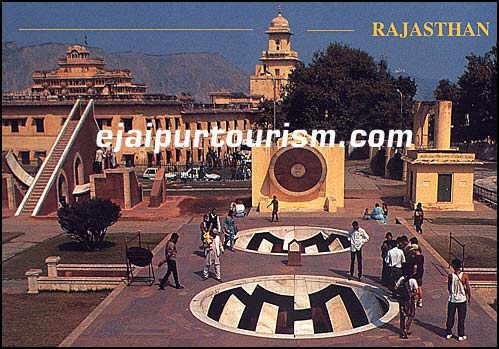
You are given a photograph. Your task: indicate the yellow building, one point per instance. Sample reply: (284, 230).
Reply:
(440, 177)
(304, 179)
(277, 62)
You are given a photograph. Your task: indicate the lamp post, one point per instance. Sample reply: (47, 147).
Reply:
(273, 81)
(401, 115)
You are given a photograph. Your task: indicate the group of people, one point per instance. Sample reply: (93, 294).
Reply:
(402, 273)
(378, 213)
(215, 237)
(104, 158)
(402, 267)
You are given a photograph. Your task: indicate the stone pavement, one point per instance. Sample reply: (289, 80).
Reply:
(144, 316)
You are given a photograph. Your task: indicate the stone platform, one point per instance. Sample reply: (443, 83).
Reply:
(144, 316)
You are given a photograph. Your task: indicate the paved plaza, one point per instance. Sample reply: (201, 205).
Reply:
(140, 315)
(143, 315)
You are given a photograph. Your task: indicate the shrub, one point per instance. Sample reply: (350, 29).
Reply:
(87, 221)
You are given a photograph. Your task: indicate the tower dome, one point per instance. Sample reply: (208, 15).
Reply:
(279, 21)
(279, 24)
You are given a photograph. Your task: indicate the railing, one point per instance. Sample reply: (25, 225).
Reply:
(451, 253)
(485, 195)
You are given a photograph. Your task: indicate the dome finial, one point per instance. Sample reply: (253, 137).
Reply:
(279, 10)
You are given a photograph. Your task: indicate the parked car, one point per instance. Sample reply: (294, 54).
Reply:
(170, 176)
(197, 174)
(150, 173)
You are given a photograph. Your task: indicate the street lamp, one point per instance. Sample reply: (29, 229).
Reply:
(273, 81)
(401, 115)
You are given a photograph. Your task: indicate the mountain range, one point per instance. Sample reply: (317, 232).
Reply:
(172, 74)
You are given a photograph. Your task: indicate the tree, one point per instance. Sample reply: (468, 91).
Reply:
(345, 89)
(474, 98)
(88, 221)
(478, 86)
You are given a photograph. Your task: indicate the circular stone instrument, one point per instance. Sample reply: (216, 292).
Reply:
(297, 171)
(294, 306)
(275, 240)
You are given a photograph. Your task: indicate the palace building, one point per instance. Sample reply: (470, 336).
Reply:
(32, 121)
(78, 75)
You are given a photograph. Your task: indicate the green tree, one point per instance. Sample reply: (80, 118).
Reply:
(474, 98)
(345, 89)
(88, 221)
(478, 98)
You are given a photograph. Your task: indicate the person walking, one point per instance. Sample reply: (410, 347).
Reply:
(406, 287)
(171, 260)
(230, 229)
(459, 295)
(358, 237)
(212, 255)
(418, 218)
(384, 251)
(275, 208)
(394, 259)
(418, 271)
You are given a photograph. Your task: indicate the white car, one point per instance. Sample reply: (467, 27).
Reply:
(194, 173)
(170, 176)
(150, 173)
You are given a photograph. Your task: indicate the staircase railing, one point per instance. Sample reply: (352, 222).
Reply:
(63, 156)
(44, 164)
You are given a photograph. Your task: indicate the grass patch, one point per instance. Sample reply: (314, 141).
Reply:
(8, 235)
(462, 221)
(44, 319)
(70, 252)
(479, 251)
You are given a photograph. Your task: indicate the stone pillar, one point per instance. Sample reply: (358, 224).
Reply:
(443, 125)
(32, 275)
(51, 263)
(126, 190)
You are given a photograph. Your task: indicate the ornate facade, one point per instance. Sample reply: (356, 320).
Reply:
(78, 75)
(277, 62)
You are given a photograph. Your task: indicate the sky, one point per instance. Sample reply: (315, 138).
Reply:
(425, 57)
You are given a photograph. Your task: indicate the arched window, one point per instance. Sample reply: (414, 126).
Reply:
(62, 189)
(78, 170)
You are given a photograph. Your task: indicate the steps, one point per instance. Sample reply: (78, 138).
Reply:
(51, 163)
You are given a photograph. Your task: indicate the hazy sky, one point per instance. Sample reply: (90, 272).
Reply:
(430, 57)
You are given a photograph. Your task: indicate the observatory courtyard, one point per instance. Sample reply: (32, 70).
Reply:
(287, 277)
(265, 300)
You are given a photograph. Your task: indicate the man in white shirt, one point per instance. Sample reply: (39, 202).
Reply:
(395, 259)
(358, 237)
